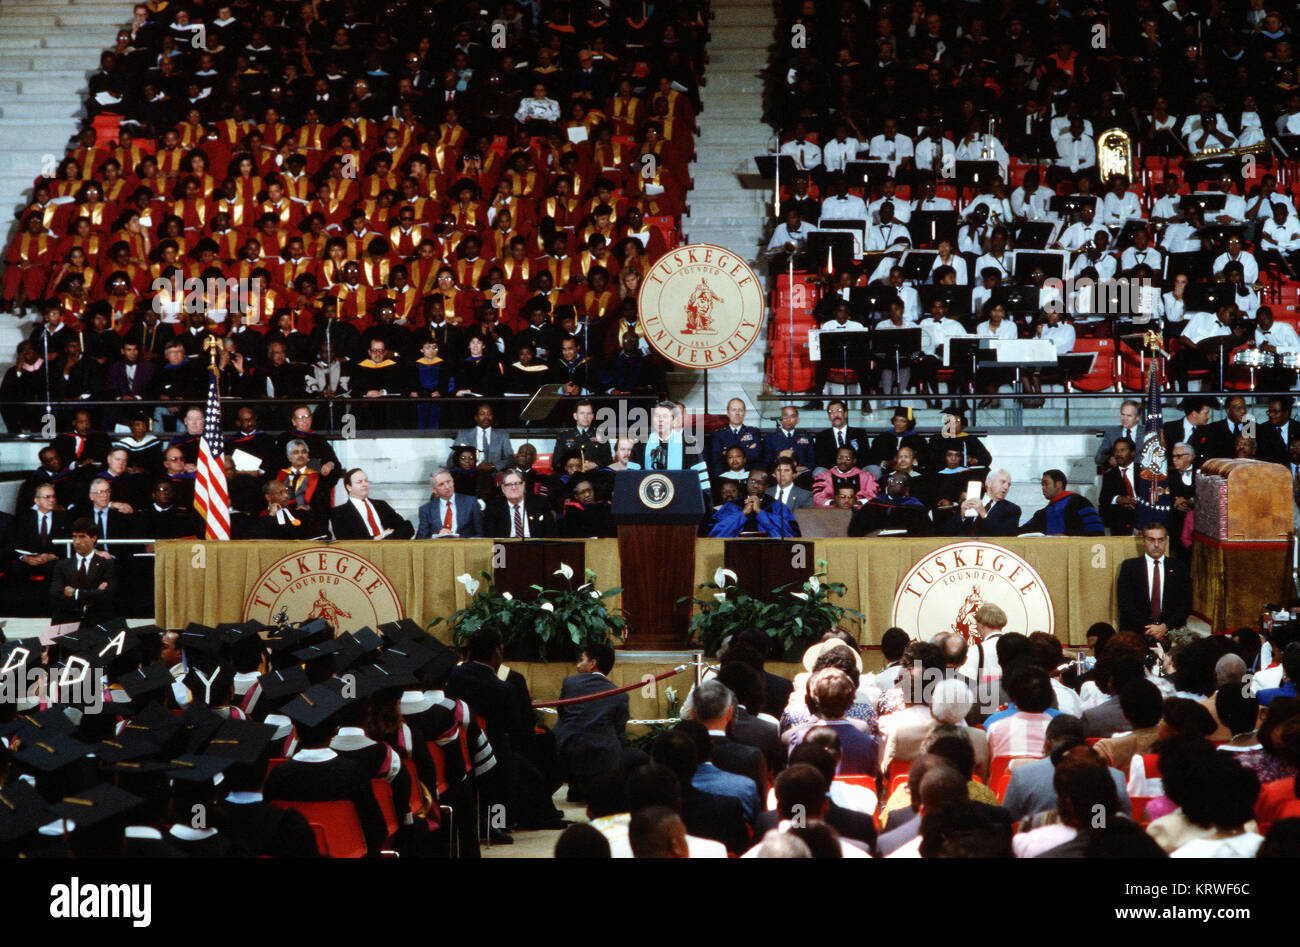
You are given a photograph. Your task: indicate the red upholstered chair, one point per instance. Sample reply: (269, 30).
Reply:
(1004, 764)
(868, 781)
(543, 464)
(339, 834)
(383, 791)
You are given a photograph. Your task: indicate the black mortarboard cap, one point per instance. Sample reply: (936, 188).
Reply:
(278, 685)
(96, 805)
(146, 682)
(402, 630)
(316, 705)
(241, 741)
(52, 752)
(22, 811)
(194, 768)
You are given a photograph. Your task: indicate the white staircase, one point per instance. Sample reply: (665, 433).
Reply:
(47, 50)
(722, 211)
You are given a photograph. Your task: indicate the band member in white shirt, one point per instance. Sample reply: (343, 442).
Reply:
(806, 154)
(1280, 239)
(891, 147)
(888, 194)
(1032, 201)
(1120, 204)
(1080, 234)
(841, 205)
(1236, 254)
(1141, 253)
(841, 149)
(998, 256)
(1075, 151)
(946, 257)
(935, 153)
(928, 201)
(978, 145)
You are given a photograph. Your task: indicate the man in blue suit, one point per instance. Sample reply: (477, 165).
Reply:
(449, 513)
(736, 434)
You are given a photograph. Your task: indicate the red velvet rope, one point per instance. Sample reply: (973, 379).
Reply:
(568, 701)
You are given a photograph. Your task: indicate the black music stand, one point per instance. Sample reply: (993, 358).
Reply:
(1189, 262)
(1069, 206)
(1033, 234)
(1208, 297)
(975, 174)
(893, 342)
(847, 349)
(957, 298)
(1018, 299)
(867, 173)
(928, 227)
(767, 167)
(865, 301)
(1207, 201)
(838, 244)
(917, 264)
(964, 352)
(1052, 262)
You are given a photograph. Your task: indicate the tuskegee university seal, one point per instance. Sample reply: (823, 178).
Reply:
(701, 306)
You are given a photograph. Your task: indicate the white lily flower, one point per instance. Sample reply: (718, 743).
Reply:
(564, 570)
(670, 694)
(813, 583)
(471, 584)
(720, 577)
(547, 607)
(720, 596)
(801, 595)
(594, 594)
(507, 596)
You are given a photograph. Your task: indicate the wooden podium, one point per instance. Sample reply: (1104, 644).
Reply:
(658, 514)
(763, 565)
(530, 562)
(1239, 547)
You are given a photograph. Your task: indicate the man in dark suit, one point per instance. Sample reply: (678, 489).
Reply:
(491, 444)
(1154, 591)
(516, 515)
(360, 517)
(110, 522)
(1273, 438)
(449, 513)
(1193, 427)
(590, 736)
(82, 445)
(83, 586)
(714, 705)
(128, 379)
(707, 814)
(1129, 413)
(35, 530)
(995, 515)
(795, 498)
(1182, 495)
(1221, 436)
(1119, 486)
(838, 435)
(736, 434)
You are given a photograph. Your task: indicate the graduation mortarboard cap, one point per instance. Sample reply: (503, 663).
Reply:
(127, 746)
(241, 640)
(96, 805)
(156, 723)
(316, 705)
(194, 768)
(956, 411)
(18, 656)
(381, 677)
(146, 682)
(404, 629)
(210, 686)
(201, 644)
(279, 685)
(42, 725)
(319, 659)
(200, 724)
(318, 629)
(22, 811)
(284, 639)
(52, 752)
(357, 646)
(240, 741)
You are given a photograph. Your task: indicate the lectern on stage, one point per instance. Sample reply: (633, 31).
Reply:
(529, 562)
(762, 565)
(658, 514)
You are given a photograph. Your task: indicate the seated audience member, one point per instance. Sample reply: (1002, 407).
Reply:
(993, 515)
(950, 701)
(831, 693)
(801, 793)
(855, 824)
(655, 786)
(517, 515)
(1086, 803)
(584, 515)
(360, 517)
(1020, 729)
(844, 793)
(449, 513)
(590, 737)
(1141, 704)
(1066, 514)
(657, 832)
(1270, 761)
(834, 650)
(1032, 789)
(1215, 796)
(714, 705)
(741, 671)
(281, 519)
(707, 813)
(845, 473)
(895, 510)
(936, 785)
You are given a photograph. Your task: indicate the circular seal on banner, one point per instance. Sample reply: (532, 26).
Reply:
(701, 306)
(656, 492)
(945, 588)
(345, 589)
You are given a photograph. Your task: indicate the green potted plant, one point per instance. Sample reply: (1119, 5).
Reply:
(555, 624)
(723, 612)
(799, 618)
(568, 618)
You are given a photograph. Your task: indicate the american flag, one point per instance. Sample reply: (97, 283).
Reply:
(211, 497)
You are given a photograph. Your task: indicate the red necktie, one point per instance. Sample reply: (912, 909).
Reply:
(1128, 484)
(1155, 593)
(81, 573)
(519, 522)
(45, 530)
(446, 519)
(81, 445)
(370, 517)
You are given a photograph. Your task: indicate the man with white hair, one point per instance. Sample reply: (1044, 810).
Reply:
(713, 704)
(994, 515)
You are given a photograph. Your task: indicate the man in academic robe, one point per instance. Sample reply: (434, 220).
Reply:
(1066, 514)
(896, 509)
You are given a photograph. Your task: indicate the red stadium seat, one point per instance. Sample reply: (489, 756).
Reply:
(383, 791)
(868, 781)
(1102, 377)
(543, 464)
(340, 827)
(1004, 764)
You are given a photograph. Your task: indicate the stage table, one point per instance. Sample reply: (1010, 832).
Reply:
(210, 582)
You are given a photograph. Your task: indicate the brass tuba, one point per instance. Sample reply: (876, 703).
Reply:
(1114, 154)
